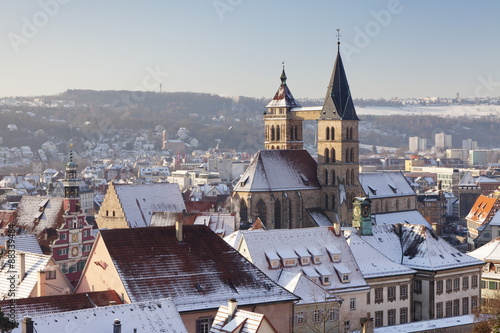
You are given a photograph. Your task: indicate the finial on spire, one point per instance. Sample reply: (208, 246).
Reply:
(283, 75)
(338, 38)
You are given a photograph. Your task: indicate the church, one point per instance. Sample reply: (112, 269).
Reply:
(284, 186)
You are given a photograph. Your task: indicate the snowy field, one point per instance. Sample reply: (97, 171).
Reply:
(442, 111)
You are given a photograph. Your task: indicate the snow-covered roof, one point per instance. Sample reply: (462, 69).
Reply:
(485, 180)
(148, 316)
(24, 286)
(409, 216)
(319, 216)
(489, 252)
(385, 184)
(258, 242)
(241, 321)
(376, 264)
(301, 285)
(140, 201)
(26, 243)
(434, 325)
(417, 247)
(221, 223)
(467, 180)
(279, 170)
(200, 273)
(35, 214)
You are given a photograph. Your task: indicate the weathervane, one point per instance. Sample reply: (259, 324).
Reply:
(338, 38)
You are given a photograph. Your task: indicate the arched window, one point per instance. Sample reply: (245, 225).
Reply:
(397, 205)
(333, 155)
(277, 214)
(262, 211)
(243, 211)
(332, 134)
(326, 201)
(347, 177)
(278, 133)
(334, 178)
(328, 133)
(408, 203)
(352, 155)
(292, 133)
(272, 133)
(347, 155)
(327, 155)
(272, 147)
(333, 202)
(297, 133)
(352, 177)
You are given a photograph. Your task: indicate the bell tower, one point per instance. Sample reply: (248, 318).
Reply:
(282, 129)
(338, 146)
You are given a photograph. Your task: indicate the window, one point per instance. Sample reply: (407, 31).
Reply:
(81, 265)
(439, 287)
(379, 318)
(304, 261)
(448, 308)
(473, 303)
(345, 278)
(465, 283)
(439, 310)
(62, 236)
(325, 279)
(474, 281)
(50, 275)
(87, 248)
(289, 262)
(403, 291)
(368, 296)
(418, 286)
(465, 306)
(316, 316)
(347, 326)
(403, 315)
(299, 318)
(391, 294)
(62, 252)
(333, 314)
(483, 284)
(379, 295)
(456, 307)
(317, 259)
(456, 284)
(73, 268)
(391, 317)
(203, 324)
(493, 285)
(336, 258)
(86, 233)
(274, 263)
(352, 303)
(448, 285)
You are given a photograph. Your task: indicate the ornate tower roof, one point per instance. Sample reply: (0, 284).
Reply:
(283, 97)
(338, 101)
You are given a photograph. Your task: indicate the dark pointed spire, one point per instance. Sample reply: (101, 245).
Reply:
(283, 97)
(338, 101)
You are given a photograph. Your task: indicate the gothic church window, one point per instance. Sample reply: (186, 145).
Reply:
(277, 214)
(262, 211)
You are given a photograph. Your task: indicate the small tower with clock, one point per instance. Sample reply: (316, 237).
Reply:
(362, 217)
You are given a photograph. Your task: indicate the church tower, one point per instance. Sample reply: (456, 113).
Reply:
(282, 129)
(338, 147)
(71, 187)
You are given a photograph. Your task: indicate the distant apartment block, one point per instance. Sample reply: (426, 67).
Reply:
(417, 144)
(462, 154)
(478, 157)
(442, 140)
(469, 144)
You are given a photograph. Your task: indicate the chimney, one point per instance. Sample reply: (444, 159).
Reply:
(22, 265)
(178, 231)
(117, 326)
(232, 305)
(41, 284)
(336, 228)
(27, 325)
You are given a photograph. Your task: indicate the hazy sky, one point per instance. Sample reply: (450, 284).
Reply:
(235, 47)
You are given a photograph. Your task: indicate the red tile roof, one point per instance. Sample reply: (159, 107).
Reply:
(482, 210)
(202, 272)
(36, 306)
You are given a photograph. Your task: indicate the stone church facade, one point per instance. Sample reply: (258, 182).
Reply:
(290, 189)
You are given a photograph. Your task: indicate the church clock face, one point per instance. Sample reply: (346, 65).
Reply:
(366, 211)
(74, 238)
(74, 251)
(356, 211)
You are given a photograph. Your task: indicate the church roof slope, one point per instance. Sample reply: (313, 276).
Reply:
(385, 184)
(279, 170)
(408, 216)
(140, 201)
(201, 272)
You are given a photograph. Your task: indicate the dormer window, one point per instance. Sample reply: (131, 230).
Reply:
(345, 278)
(273, 259)
(333, 252)
(304, 261)
(311, 273)
(288, 257)
(304, 256)
(315, 255)
(324, 275)
(343, 272)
